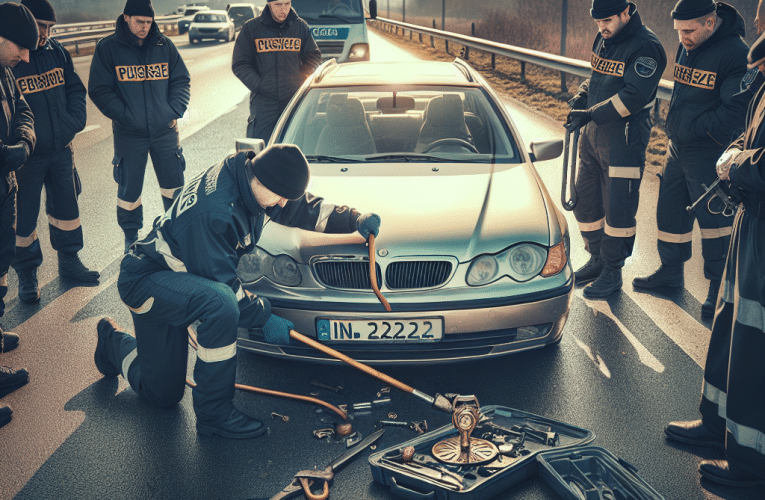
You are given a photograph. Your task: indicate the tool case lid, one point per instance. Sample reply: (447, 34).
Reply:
(591, 473)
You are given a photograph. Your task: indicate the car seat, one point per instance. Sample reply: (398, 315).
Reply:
(444, 118)
(346, 131)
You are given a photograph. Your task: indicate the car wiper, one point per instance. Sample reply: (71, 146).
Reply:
(330, 159)
(403, 157)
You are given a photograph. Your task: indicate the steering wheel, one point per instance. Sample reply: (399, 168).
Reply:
(450, 141)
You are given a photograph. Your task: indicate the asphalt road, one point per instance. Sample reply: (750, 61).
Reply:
(624, 368)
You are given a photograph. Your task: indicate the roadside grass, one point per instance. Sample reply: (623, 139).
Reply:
(540, 89)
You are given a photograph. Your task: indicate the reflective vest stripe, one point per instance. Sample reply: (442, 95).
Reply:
(163, 249)
(64, 225)
(592, 226)
(751, 313)
(747, 436)
(621, 232)
(128, 361)
(718, 232)
(324, 212)
(25, 241)
(128, 205)
(624, 172)
(716, 396)
(169, 193)
(619, 105)
(217, 354)
(675, 238)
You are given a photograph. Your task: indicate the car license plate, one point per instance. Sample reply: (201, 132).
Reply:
(392, 330)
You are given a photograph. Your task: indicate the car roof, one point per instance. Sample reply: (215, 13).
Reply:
(219, 12)
(396, 73)
(241, 5)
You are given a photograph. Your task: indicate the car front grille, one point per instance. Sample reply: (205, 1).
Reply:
(327, 48)
(410, 274)
(208, 31)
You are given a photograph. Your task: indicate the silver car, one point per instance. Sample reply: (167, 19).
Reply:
(472, 254)
(212, 24)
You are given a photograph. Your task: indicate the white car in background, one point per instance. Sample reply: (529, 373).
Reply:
(212, 24)
(188, 17)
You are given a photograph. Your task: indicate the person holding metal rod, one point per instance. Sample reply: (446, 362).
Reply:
(614, 107)
(184, 272)
(711, 92)
(732, 392)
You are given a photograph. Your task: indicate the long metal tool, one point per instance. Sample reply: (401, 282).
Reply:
(570, 155)
(304, 479)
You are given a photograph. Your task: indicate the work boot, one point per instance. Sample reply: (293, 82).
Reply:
(722, 472)
(609, 281)
(670, 276)
(70, 266)
(106, 326)
(29, 292)
(11, 379)
(708, 307)
(590, 271)
(693, 432)
(5, 415)
(8, 340)
(236, 426)
(131, 236)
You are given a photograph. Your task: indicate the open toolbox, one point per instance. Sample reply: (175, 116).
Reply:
(425, 477)
(593, 473)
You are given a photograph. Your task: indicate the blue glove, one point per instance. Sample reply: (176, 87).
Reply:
(577, 118)
(277, 330)
(368, 224)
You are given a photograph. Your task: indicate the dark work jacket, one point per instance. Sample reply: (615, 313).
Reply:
(215, 220)
(17, 123)
(141, 88)
(712, 87)
(272, 59)
(749, 174)
(626, 70)
(55, 92)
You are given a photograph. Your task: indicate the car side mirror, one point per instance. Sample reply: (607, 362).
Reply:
(546, 150)
(373, 9)
(248, 144)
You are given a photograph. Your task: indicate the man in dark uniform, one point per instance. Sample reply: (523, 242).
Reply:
(733, 391)
(18, 36)
(709, 100)
(184, 272)
(139, 81)
(56, 96)
(273, 55)
(614, 106)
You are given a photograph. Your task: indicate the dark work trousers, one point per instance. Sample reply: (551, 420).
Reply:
(612, 158)
(733, 393)
(163, 304)
(264, 113)
(686, 169)
(130, 157)
(62, 187)
(7, 231)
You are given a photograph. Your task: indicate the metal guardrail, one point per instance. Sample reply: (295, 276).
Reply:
(90, 32)
(552, 61)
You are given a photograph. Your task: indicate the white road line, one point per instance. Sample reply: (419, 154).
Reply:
(89, 128)
(595, 358)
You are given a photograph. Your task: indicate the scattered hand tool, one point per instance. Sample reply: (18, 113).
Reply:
(304, 479)
(447, 478)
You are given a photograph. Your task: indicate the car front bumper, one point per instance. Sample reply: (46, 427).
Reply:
(470, 332)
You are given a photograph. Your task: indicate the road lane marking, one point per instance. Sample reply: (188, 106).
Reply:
(595, 358)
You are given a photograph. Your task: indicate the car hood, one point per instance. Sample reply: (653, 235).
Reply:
(458, 210)
(218, 25)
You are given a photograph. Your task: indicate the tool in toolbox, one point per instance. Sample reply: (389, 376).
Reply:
(465, 449)
(305, 479)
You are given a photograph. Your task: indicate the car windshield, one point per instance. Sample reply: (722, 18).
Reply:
(408, 125)
(244, 12)
(191, 12)
(329, 11)
(209, 18)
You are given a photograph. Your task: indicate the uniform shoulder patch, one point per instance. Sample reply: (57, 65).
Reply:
(748, 79)
(646, 66)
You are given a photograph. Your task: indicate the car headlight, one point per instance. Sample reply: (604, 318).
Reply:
(258, 264)
(359, 52)
(521, 262)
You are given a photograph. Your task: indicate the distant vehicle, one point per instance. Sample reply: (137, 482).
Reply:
(188, 17)
(473, 253)
(212, 24)
(240, 13)
(338, 26)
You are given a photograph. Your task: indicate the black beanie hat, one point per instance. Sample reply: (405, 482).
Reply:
(693, 9)
(41, 9)
(18, 25)
(757, 52)
(602, 9)
(139, 8)
(283, 169)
